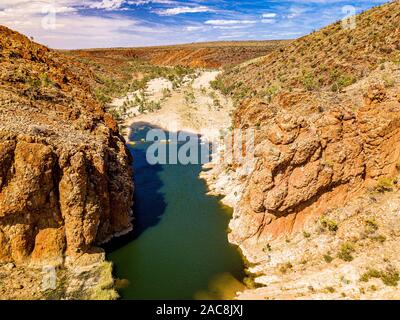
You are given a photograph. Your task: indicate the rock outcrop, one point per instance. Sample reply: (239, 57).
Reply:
(327, 131)
(65, 175)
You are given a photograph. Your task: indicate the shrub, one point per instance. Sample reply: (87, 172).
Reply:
(389, 81)
(328, 258)
(330, 289)
(380, 238)
(190, 97)
(371, 226)
(267, 248)
(384, 185)
(309, 82)
(285, 267)
(329, 224)
(306, 234)
(270, 92)
(371, 273)
(390, 277)
(346, 251)
(340, 80)
(45, 80)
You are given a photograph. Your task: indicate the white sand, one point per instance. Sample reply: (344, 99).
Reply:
(201, 117)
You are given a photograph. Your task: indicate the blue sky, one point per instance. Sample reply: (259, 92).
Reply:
(123, 23)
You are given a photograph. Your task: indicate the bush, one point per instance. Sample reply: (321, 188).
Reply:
(384, 185)
(329, 224)
(330, 289)
(390, 277)
(389, 81)
(284, 268)
(340, 80)
(270, 92)
(190, 98)
(371, 226)
(346, 251)
(309, 82)
(306, 234)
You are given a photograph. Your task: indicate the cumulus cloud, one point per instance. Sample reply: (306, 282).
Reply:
(181, 10)
(107, 4)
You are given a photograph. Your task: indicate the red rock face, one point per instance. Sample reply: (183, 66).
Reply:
(309, 160)
(65, 175)
(326, 110)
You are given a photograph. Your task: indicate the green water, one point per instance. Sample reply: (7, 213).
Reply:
(179, 249)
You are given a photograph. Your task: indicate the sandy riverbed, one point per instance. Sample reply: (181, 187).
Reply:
(207, 114)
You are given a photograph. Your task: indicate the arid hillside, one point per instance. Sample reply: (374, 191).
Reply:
(65, 177)
(326, 112)
(328, 60)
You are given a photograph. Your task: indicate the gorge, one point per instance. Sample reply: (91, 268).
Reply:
(315, 214)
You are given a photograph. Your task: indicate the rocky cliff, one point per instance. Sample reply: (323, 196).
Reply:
(326, 112)
(65, 176)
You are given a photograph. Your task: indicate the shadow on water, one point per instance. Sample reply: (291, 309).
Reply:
(179, 247)
(149, 202)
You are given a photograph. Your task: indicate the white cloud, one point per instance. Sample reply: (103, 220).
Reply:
(20, 10)
(268, 21)
(193, 28)
(107, 4)
(181, 10)
(229, 27)
(142, 2)
(269, 15)
(295, 12)
(229, 22)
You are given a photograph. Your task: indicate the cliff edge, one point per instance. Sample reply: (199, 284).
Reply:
(65, 174)
(326, 114)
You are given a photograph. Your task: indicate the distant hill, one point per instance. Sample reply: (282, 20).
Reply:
(195, 55)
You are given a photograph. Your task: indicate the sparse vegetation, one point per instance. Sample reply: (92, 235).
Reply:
(390, 277)
(388, 81)
(340, 80)
(190, 98)
(306, 234)
(285, 267)
(329, 224)
(346, 251)
(309, 82)
(271, 91)
(371, 226)
(166, 93)
(115, 78)
(328, 258)
(384, 185)
(330, 289)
